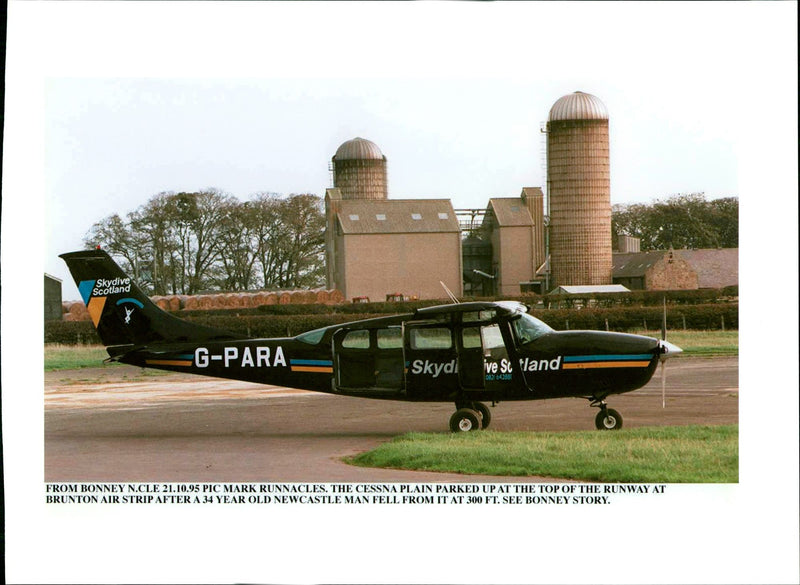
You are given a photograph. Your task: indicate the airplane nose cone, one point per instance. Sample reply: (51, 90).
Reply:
(669, 349)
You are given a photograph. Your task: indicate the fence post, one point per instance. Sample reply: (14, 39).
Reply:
(606, 324)
(723, 321)
(567, 321)
(684, 322)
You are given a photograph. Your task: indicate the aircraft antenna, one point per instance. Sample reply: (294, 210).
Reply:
(449, 293)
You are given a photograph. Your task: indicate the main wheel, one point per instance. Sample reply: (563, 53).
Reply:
(483, 410)
(465, 420)
(608, 420)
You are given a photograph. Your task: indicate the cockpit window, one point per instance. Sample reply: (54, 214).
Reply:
(312, 337)
(527, 328)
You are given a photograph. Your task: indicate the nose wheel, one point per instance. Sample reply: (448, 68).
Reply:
(607, 419)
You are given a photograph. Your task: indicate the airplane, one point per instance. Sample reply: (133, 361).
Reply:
(467, 353)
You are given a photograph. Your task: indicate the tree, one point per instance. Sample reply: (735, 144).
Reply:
(680, 221)
(184, 243)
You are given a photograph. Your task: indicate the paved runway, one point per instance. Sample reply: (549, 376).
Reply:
(115, 424)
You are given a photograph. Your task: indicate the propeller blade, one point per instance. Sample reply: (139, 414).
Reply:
(663, 384)
(664, 321)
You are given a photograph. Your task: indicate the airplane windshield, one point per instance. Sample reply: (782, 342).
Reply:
(528, 328)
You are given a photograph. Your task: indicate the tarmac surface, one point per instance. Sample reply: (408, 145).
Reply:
(121, 423)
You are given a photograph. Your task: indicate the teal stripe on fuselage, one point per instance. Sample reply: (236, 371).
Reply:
(311, 362)
(607, 358)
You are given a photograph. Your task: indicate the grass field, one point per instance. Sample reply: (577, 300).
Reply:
(700, 343)
(72, 357)
(690, 454)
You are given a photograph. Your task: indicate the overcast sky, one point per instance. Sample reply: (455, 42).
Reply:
(110, 103)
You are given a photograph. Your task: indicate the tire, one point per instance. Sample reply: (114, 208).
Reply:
(608, 420)
(486, 415)
(465, 420)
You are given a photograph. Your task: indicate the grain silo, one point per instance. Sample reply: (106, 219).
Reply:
(579, 191)
(359, 170)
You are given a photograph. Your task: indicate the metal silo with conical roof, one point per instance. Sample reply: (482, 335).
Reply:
(579, 191)
(359, 170)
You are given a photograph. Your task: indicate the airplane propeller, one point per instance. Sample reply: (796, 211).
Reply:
(667, 350)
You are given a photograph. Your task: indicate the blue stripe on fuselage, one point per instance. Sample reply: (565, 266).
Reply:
(606, 358)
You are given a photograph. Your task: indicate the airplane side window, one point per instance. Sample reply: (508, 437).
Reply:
(358, 339)
(492, 338)
(473, 316)
(471, 338)
(433, 338)
(390, 338)
(312, 337)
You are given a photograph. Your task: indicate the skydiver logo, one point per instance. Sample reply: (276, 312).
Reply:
(104, 287)
(128, 313)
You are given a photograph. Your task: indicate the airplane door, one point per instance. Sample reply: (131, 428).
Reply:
(470, 359)
(497, 366)
(431, 361)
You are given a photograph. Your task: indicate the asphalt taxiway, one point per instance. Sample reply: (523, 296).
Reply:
(118, 424)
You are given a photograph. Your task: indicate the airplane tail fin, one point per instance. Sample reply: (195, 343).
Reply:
(121, 312)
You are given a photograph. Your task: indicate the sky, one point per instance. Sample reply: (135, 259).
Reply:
(110, 103)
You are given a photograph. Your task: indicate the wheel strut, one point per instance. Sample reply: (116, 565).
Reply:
(607, 419)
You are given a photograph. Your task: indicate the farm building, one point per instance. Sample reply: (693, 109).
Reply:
(515, 228)
(376, 248)
(52, 298)
(677, 269)
(657, 270)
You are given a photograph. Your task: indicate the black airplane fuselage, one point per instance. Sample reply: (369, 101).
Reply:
(433, 355)
(464, 353)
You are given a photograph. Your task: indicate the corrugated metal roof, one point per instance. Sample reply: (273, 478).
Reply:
(715, 267)
(358, 148)
(397, 216)
(578, 106)
(510, 211)
(588, 289)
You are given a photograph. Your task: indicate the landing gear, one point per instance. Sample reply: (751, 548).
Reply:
(483, 410)
(607, 419)
(465, 420)
(470, 416)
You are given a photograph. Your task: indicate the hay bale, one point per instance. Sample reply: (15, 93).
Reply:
(174, 303)
(285, 298)
(208, 302)
(78, 309)
(335, 296)
(322, 297)
(191, 303)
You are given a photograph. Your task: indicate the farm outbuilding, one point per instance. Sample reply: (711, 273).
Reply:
(656, 270)
(515, 228)
(53, 310)
(376, 248)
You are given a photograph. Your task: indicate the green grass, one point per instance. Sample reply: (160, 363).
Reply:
(701, 343)
(58, 356)
(689, 454)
